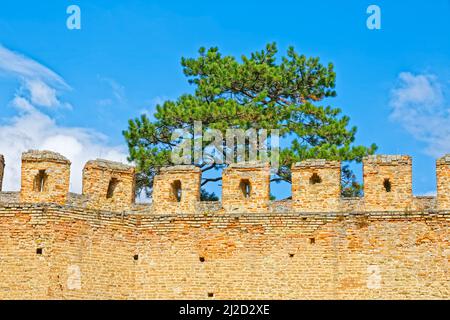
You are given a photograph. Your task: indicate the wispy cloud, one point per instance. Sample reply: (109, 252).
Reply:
(39, 83)
(18, 64)
(420, 104)
(117, 93)
(31, 128)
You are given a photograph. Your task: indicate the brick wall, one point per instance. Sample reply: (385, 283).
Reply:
(59, 245)
(176, 190)
(92, 254)
(45, 177)
(443, 182)
(109, 185)
(387, 183)
(316, 186)
(246, 187)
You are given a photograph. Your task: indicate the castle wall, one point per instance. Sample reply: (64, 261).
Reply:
(443, 183)
(88, 254)
(316, 186)
(100, 245)
(45, 177)
(176, 189)
(387, 183)
(109, 185)
(246, 187)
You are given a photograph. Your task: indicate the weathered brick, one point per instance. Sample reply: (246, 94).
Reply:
(45, 177)
(108, 185)
(386, 245)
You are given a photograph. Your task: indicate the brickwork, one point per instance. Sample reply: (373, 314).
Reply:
(387, 183)
(246, 187)
(316, 186)
(443, 182)
(100, 245)
(177, 189)
(109, 185)
(45, 177)
(90, 255)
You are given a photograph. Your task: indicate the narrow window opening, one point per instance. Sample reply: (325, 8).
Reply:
(315, 178)
(40, 181)
(112, 187)
(246, 188)
(291, 255)
(176, 190)
(39, 251)
(202, 259)
(387, 185)
(136, 257)
(312, 240)
(210, 294)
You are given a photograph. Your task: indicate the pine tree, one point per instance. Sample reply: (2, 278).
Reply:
(255, 92)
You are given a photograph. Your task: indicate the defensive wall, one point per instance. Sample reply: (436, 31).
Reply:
(101, 245)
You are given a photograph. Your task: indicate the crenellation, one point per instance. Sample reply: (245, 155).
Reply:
(443, 182)
(246, 187)
(316, 186)
(109, 185)
(176, 189)
(44, 155)
(385, 159)
(317, 163)
(45, 177)
(388, 183)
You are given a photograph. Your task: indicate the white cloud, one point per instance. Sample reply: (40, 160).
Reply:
(39, 84)
(41, 94)
(419, 104)
(22, 104)
(19, 65)
(31, 128)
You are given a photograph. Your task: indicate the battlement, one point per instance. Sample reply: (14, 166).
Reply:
(108, 185)
(388, 183)
(246, 187)
(316, 163)
(45, 155)
(316, 186)
(443, 160)
(382, 159)
(443, 182)
(176, 189)
(45, 177)
(101, 245)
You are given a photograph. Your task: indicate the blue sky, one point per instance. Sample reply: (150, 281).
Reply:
(393, 83)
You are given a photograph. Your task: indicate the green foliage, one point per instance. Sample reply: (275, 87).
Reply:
(350, 187)
(256, 92)
(208, 196)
